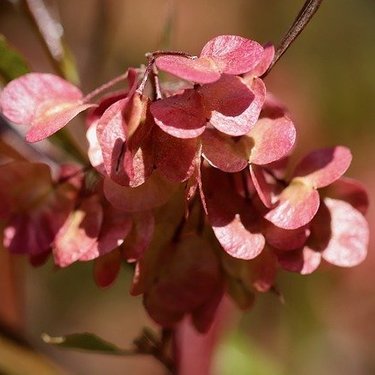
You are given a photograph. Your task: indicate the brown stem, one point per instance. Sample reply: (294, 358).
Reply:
(105, 87)
(156, 83)
(303, 18)
(149, 68)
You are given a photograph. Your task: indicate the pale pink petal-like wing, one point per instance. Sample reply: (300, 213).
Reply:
(115, 228)
(351, 191)
(95, 152)
(200, 70)
(233, 219)
(350, 235)
(322, 167)
(304, 261)
(174, 157)
(234, 54)
(297, 205)
(234, 105)
(112, 137)
(44, 102)
(181, 116)
(79, 233)
(223, 152)
(273, 139)
(265, 61)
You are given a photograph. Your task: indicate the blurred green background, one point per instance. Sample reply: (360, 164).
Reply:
(327, 80)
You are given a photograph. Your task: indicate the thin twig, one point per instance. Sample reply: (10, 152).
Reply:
(105, 87)
(303, 18)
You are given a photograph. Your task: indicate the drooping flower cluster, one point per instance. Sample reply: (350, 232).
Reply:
(189, 181)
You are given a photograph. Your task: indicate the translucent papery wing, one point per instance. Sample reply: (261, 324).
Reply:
(351, 191)
(303, 261)
(43, 102)
(350, 235)
(223, 152)
(322, 167)
(200, 70)
(181, 116)
(233, 219)
(296, 206)
(232, 104)
(272, 139)
(80, 232)
(174, 157)
(234, 54)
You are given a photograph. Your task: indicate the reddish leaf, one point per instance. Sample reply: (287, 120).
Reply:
(200, 70)
(322, 167)
(42, 101)
(166, 148)
(223, 152)
(273, 139)
(351, 191)
(350, 235)
(234, 54)
(155, 192)
(234, 105)
(107, 268)
(297, 205)
(303, 261)
(181, 116)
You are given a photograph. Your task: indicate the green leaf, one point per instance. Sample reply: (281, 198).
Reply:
(12, 64)
(85, 341)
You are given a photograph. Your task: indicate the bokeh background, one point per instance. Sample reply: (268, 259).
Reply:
(327, 80)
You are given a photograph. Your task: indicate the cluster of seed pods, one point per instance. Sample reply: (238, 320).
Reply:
(188, 179)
